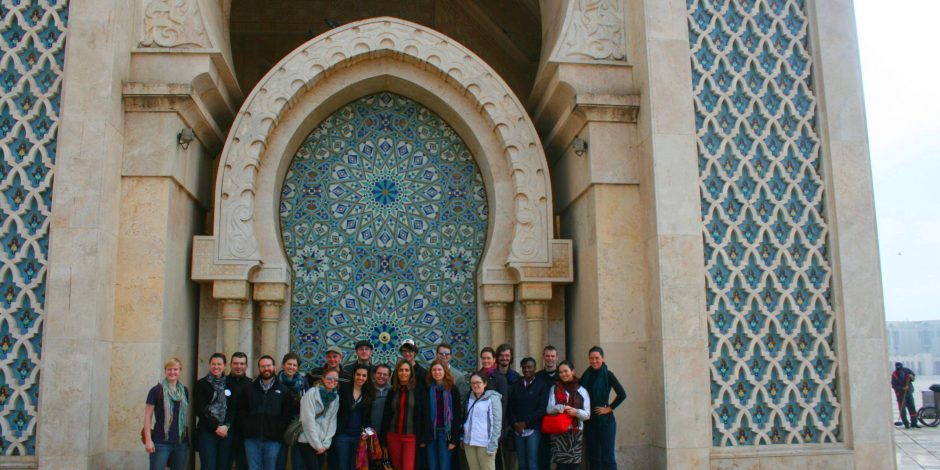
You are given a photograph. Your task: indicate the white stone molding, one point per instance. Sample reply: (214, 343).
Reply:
(593, 31)
(173, 23)
(519, 151)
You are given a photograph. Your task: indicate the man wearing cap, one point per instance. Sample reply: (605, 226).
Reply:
(408, 351)
(363, 357)
(333, 357)
(902, 381)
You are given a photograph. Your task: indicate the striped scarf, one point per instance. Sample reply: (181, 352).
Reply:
(171, 394)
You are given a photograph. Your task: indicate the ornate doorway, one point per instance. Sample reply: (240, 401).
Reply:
(383, 217)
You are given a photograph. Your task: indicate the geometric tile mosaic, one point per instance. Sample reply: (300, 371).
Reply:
(32, 41)
(768, 276)
(384, 218)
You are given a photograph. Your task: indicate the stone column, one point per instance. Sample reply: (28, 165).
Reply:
(497, 298)
(233, 296)
(534, 297)
(272, 297)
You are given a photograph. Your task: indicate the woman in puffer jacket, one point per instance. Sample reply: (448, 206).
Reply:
(318, 408)
(483, 423)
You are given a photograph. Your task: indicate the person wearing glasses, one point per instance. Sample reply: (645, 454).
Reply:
(445, 354)
(483, 424)
(318, 409)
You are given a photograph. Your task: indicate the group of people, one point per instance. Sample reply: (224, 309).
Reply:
(421, 417)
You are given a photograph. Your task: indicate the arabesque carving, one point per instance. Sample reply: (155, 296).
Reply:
(395, 38)
(173, 23)
(593, 31)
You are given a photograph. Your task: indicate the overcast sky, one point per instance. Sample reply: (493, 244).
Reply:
(901, 73)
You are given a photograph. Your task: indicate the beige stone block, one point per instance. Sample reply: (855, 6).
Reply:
(672, 110)
(666, 19)
(867, 392)
(875, 456)
(74, 258)
(497, 293)
(686, 381)
(835, 461)
(235, 290)
(269, 292)
(611, 152)
(629, 361)
(681, 297)
(736, 464)
(137, 367)
(675, 180)
(66, 399)
(687, 458)
(534, 291)
(125, 460)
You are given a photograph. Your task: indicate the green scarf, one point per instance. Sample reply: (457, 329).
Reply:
(171, 394)
(600, 390)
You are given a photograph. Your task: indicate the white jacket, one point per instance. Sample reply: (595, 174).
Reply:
(584, 414)
(319, 424)
(484, 421)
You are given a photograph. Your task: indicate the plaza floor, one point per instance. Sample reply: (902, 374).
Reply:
(917, 448)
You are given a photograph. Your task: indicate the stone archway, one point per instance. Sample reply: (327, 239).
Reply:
(244, 255)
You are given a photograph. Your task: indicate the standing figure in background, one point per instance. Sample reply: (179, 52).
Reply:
(212, 402)
(902, 381)
(165, 436)
(601, 430)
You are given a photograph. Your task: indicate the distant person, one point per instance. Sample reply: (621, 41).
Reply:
(902, 380)
(165, 436)
(215, 412)
(600, 432)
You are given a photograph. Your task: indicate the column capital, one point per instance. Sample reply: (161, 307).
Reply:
(269, 292)
(497, 293)
(230, 290)
(534, 291)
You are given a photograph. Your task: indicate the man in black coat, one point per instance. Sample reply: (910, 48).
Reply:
(265, 410)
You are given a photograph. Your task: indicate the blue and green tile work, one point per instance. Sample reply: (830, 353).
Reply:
(384, 219)
(32, 40)
(768, 275)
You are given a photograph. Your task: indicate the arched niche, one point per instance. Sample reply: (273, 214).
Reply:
(352, 61)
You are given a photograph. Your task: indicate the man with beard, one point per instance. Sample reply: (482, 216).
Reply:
(504, 365)
(266, 409)
(235, 382)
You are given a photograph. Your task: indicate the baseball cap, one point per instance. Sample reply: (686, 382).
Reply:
(408, 344)
(334, 349)
(364, 343)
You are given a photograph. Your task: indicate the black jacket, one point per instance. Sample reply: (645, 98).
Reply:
(420, 413)
(202, 397)
(265, 414)
(528, 404)
(237, 385)
(345, 408)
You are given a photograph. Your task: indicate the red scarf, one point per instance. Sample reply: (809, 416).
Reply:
(573, 398)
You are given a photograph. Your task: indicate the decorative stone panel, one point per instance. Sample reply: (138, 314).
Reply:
(33, 51)
(768, 273)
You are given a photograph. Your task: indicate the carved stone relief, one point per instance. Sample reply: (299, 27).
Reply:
(300, 70)
(593, 31)
(173, 23)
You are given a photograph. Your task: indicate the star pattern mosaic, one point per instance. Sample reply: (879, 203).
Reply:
(32, 44)
(384, 218)
(768, 275)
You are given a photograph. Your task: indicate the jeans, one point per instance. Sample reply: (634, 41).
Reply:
(599, 437)
(439, 457)
(527, 450)
(234, 453)
(213, 450)
(261, 454)
(174, 455)
(296, 461)
(342, 453)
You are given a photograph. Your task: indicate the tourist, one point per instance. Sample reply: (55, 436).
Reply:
(296, 384)
(902, 381)
(445, 411)
(482, 424)
(381, 384)
(504, 364)
(165, 436)
(235, 382)
(548, 374)
(265, 409)
(212, 402)
(600, 431)
(405, 420)
(446, 353)
(355, 411)
(318, 409)
(569, 397)
(363, 357)
(494, 381)
(333, 358)
(528, 399)
(504, 457)
(408, 351)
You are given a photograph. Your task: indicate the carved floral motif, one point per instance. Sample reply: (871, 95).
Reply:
(173, 23)
(593, 31)
(305, 66)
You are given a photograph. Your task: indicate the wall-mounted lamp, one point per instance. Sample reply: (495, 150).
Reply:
(185, 137)
(580, 146)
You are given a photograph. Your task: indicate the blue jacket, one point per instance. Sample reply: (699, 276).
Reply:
(528, 403)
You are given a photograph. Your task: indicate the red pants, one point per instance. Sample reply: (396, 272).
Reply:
(401, 449)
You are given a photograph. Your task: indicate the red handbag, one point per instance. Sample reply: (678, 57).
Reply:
(556, 424)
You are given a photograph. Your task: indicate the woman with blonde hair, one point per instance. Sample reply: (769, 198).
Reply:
(445, 413)
(165, 437)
